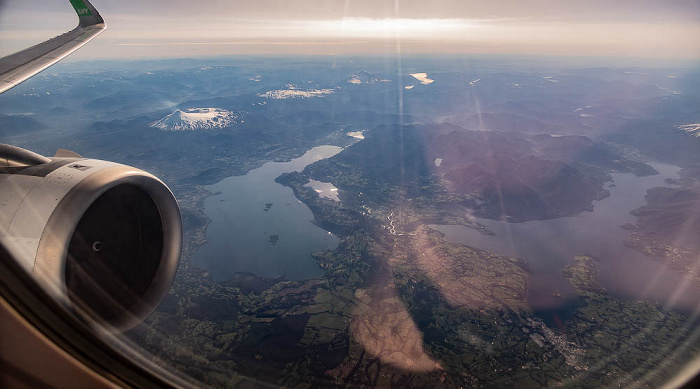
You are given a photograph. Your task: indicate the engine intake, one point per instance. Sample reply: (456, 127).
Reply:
(103, 238)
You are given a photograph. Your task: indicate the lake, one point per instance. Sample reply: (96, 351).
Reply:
(549, 245)
(258, 226)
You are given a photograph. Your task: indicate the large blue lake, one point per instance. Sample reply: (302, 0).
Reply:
(258, 226)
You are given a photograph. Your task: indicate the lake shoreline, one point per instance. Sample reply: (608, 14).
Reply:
(549, 245)
(268, 241)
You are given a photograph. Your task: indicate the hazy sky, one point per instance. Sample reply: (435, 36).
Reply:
(160, 28)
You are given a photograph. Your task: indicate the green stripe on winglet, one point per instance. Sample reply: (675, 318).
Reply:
(81, 8)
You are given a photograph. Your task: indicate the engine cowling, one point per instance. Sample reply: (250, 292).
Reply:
(102, 238)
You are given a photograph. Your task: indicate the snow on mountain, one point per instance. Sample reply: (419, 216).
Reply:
(692, 129)
(363, 77)
(197, 119)
(356, 134)
(293, 93)
(422, 77)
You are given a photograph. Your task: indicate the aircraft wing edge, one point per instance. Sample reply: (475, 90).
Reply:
(18, 67)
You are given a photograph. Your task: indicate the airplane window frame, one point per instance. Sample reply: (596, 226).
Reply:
(74, 336)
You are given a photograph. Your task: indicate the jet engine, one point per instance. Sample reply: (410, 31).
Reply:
(102, 238)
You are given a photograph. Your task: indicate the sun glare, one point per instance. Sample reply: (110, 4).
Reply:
(391, 27)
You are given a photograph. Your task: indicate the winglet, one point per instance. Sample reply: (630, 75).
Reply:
(18, 67)
(87, 14)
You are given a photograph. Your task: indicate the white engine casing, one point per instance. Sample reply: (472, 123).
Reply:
(40, 211)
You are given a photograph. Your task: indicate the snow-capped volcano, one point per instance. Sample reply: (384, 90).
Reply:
(363, 77)
(197, 119)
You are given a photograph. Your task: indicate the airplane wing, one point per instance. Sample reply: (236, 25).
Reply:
(22, 65)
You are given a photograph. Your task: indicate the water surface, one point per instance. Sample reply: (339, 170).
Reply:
(549, 245)
(258, 226)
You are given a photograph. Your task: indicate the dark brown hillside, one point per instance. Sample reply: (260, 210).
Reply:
(496, 174)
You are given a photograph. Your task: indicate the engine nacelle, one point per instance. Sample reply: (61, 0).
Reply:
(102, 238)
